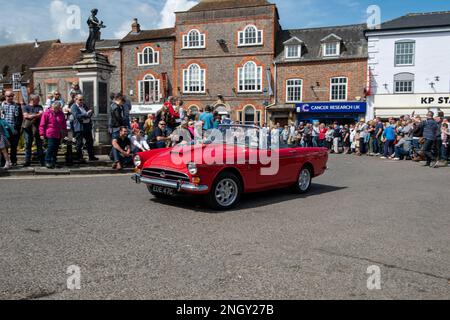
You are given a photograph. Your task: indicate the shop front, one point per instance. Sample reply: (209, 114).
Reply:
(329, 112)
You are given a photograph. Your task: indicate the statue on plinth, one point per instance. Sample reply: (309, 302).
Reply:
(94, 31)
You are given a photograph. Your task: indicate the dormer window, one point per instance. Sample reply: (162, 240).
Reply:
(250, 36)
(331, 46)
(194, 40)
(148, 57)
(331, 49)
(293, 48)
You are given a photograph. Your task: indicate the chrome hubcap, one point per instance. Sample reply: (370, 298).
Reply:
(226, 192)
(304, 180)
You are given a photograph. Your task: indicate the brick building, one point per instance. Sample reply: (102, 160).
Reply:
(321, 75)
(220, 53)
(16, 63)
(148, 67)
(224, 57)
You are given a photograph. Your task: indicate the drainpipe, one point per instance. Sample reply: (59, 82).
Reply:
(274, 95)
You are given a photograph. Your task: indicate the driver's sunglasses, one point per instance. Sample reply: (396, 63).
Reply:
(10, 96)
(162, 124)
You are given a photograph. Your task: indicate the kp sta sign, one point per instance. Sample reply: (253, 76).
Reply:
(435, 100)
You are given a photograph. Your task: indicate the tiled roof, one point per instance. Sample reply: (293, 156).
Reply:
(149, 35)
(418, 20)
(61, 55)
(207, 5)
(67, 54)
(353, 45)
(19, 58)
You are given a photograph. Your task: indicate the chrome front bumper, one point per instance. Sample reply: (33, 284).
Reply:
(177, 185)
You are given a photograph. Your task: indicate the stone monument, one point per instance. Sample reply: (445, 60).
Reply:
(94, 72)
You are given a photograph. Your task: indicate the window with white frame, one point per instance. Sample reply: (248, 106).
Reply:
(331, 49)
(339, 89)
(50, 88)
(404, 83)
(194, 79)
(404, 53)
(149, 90)
(293, 51)
(250, 36)
(16, 77)
(294, 90)
(148, 57)
(194, 39)
(250, 78)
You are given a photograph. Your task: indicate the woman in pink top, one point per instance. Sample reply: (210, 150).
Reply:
(53, 128)
(322, 135)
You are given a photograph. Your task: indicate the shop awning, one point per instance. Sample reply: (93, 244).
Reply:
(145, 109)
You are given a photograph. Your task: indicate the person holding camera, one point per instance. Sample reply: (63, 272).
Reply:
(82, 128)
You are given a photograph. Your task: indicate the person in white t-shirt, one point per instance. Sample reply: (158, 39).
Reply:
(138, 142)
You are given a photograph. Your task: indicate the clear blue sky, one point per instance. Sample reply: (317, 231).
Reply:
(48, 19)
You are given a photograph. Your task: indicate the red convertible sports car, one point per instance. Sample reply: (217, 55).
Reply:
(235, 160)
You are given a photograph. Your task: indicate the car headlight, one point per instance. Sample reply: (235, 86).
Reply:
(137, 161)
(192, 167)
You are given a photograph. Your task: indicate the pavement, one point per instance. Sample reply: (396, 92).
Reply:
(103, 166)
(363, 212)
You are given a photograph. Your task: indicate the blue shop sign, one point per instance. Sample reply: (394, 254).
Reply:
(332, 107)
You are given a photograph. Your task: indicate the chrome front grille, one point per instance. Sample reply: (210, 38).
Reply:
(165, 175)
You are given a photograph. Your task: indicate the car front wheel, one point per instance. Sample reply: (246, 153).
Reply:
(304, 181)
(226, 192)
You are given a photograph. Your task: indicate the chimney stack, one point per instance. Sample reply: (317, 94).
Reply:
(135, 27)
(36, 43)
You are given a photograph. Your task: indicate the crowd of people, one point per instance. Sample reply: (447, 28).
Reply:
(46, 126)
(164, 129)
(409, 137)
(406, 138)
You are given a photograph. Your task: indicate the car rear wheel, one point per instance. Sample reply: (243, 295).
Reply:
(226, 192)
(304, 181)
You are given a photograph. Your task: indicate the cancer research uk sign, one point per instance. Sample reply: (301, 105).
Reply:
(332, 107)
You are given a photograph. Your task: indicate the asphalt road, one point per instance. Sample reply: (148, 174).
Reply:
(363, 212)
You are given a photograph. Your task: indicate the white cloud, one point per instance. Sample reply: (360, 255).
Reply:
(66, 21)
(169, 9)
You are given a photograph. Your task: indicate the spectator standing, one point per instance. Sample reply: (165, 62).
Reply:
(378, 144)
(346, 139)
(207, 118)
(337, 134)
(285, 135)
(117, 115)
(389, 140)
(121, 149)
(430, 132)
(352, 139)
(363, 133)
(315, 134)
(32, 114)
(127, 111)
(5, 134)
(58, 98)
(322, 135)
(12, 113)
(53, 128)
(445, 136)
(148, 125)
(82, 128)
